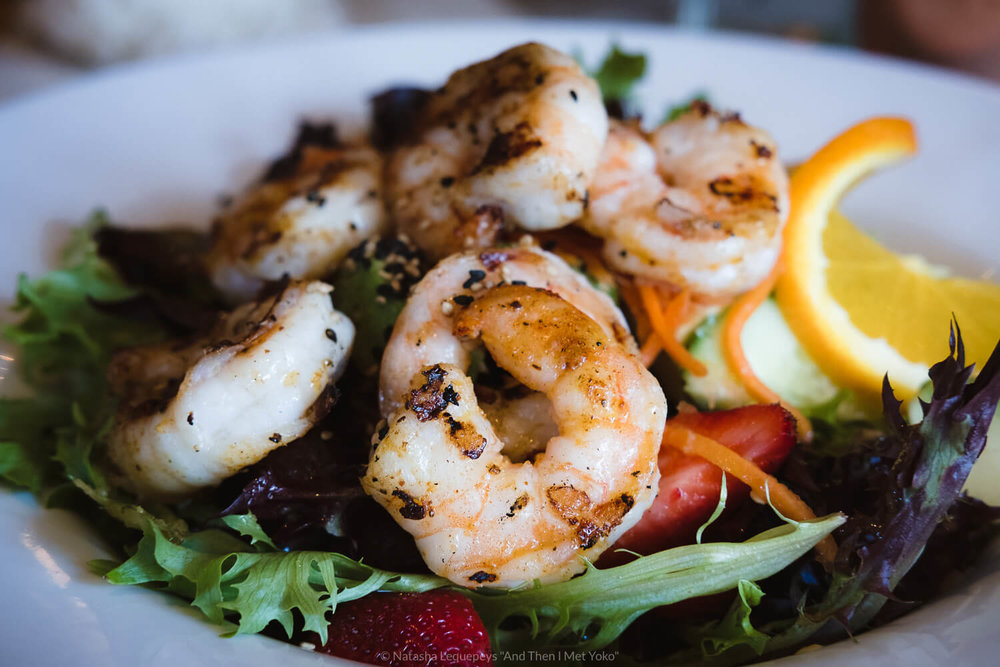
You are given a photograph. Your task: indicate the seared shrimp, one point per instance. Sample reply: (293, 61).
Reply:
(300, 226)
(422, 334)
(480, 519)
(700, 204)
(513, 140)
(197, 412)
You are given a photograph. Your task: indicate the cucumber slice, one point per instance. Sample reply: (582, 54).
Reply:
(777, 358)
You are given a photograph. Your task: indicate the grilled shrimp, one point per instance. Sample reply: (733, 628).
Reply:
(422, 333)
(480, 519)
(196, 412)
(511, 140)
(301, 225)
(699, 204)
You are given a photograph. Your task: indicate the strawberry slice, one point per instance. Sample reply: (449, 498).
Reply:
(432, 628)
(689, 485)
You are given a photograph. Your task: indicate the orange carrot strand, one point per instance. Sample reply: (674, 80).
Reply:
(666, 329)
(732, 346)
(764, 485)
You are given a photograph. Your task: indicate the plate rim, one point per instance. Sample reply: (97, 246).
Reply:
(610, 30)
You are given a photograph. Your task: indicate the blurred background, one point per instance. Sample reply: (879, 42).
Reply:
(45, 41)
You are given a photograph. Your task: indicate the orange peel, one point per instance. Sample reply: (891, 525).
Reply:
(851, 358)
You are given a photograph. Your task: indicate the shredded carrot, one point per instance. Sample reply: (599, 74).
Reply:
(739, 313)
(732, 346)
(764, 486)
(665, 320)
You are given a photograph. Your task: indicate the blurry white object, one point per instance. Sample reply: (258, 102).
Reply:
(104, 31)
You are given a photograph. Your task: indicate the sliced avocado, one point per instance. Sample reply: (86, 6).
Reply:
(775, 356)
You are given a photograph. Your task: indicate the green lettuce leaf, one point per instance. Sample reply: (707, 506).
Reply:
(247, 526)
(24, 422)
(618, 73)
(65, 342)
(252, 585)
(735, 628)
(590, 611)
(255, 585)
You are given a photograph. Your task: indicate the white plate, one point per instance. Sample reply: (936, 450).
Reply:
(159, 142)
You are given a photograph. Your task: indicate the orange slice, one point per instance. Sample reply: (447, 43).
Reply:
(860, 310)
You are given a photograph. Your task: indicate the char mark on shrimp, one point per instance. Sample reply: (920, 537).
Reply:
(482, 576)
(745, 190)
(761, 150)
(701, 107)
(592, 522)
(315, 135)
(508, 146)
(411, 509)
(518, 505)
(465, 436)
(428, 400)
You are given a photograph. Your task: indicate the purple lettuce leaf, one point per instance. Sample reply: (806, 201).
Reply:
(902, 491)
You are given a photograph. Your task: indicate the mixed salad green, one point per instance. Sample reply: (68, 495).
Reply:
(281, 561)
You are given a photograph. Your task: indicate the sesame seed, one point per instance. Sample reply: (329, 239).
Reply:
(475, 276)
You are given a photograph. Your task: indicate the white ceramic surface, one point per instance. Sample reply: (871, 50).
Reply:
(161, 141)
